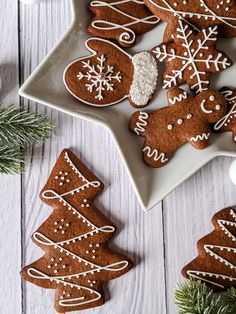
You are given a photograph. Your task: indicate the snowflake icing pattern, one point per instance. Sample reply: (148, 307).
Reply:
(191, 58)
(101, 77)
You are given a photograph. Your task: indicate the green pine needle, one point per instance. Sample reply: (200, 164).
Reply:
(11, 160)
(194, 297)
(230, 299)
(20, 127)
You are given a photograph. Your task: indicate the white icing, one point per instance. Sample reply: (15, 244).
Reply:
(209, 249)
(200, 137)
(229, 117)
(99, 76)
(94, 53)
(228, 95)
(155, 154)
(127, 36)
(192, 58)
(209, 14)
(94, 267)
(203, 108)
(142, 123)
(144, 78)
(178, 98)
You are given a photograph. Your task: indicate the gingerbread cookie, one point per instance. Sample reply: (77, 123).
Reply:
(74, 238)
(186, 119)
(110, 75)
(215, 264)
(228, 122)
(199, 14)
(191, 57)
(121, 20)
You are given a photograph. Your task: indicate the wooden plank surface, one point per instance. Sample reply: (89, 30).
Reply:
(10, 186)
(160, 242)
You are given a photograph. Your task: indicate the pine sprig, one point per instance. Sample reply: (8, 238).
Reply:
(20, 127)
(194, 297)
(11, 160)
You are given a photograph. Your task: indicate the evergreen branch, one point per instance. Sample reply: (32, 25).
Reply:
(19, 127)
(11, 160)
(230, 299)
(194, 297)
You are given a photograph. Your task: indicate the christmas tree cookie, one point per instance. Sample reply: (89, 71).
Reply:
(74, 238)
(216, 262)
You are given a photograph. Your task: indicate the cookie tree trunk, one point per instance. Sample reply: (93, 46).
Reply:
(74, 239)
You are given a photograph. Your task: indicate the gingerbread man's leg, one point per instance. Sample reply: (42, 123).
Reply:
(199, 141)
(154, 157)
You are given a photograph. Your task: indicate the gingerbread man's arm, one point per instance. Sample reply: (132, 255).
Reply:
(138, 122)
(177, 95)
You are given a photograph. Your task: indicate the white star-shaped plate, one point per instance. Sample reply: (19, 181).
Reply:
(45, 85)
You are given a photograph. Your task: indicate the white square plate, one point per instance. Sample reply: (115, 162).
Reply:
(45, 85)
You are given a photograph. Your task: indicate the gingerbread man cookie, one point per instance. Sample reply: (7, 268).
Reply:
(121, 20)
(199, 14)
(228, 122)
(191, 57)
(74, 238)
(110, 75)
(215, 264)
(186, 119)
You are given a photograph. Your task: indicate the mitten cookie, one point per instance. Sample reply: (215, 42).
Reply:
(200, 14)
(110, 75)
(186, 119)
(74, 238)
(191, 57)
(215, 264)
(228, 122)
(121, 20)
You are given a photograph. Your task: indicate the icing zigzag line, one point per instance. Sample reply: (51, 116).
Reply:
(140, 126)
(178, 98)
(200, 137)
(155, 154)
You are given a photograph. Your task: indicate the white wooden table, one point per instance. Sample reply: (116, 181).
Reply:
(160, 242)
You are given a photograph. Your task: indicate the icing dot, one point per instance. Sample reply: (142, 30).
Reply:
(97, 245)
(62, 220)
(212, 98)
(60, 258)
(56, 177)
(66, 173)
(67, 180)
(52, 259)
(60, 183)
(85, 200)
(49, 266)
(90, 245)
(179, 121)
(55, 223)
(55, 271)
(63, 266)
(189, 116)
(170, 127)
(218, 107)
(93, 256)
(60, 172)
(62, 178)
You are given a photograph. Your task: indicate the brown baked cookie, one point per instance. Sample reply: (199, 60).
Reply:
(215, 264)
(186, 119)
(74, 238)
(191, 57)
(110, 75)
(228, 122)
(199, 14)
(121, 20)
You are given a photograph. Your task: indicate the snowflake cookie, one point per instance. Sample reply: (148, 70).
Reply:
(121, 20)
(75, 239)
(228, 122)
(200, 14)
(191, 57)
(186, 119)
(110, 75)
(215, 264)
